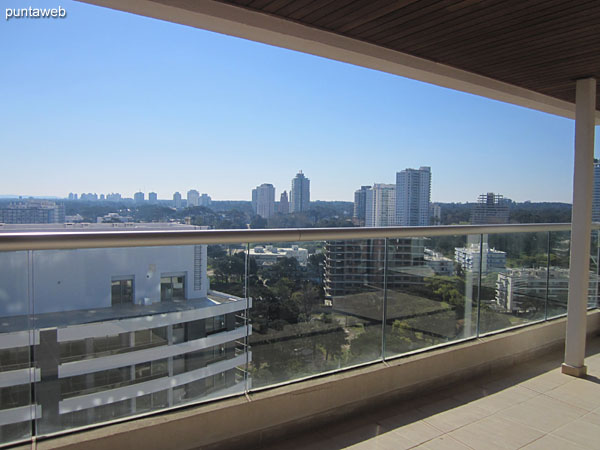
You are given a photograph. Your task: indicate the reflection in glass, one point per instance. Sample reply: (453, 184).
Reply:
(431, 292)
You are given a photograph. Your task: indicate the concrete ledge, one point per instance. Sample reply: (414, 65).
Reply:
(262, 416)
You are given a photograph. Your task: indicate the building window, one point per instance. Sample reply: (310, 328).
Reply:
(215, 324)
(172, 288)
(121, 291)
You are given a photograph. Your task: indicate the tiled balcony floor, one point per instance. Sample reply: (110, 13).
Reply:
(530, 406)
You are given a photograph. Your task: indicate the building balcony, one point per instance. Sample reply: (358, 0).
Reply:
(399, 331)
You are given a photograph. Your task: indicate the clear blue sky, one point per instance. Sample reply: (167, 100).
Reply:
(103, 101)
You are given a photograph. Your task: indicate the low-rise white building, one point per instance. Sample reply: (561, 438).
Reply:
(267, 255)
(522, 290)
(439, 263)
(469, 258)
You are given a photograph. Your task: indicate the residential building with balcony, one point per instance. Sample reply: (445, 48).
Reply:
(469, 258)
(525, 289)
(119, 331)
(33, 211)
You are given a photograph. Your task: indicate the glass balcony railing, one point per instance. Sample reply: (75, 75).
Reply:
(98, 327)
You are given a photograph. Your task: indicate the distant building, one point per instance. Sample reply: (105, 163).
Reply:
(152, 198)
(263, 200)
(469, 258)
(596, 196)
(439, 263)
(72, 196)
(380, 205)
(114, 197)
(523, 290)
(102, 197)
(300, 193)
(193, 198)
(89, 197)
(413, 195)
(360, 205)
(113, 218)
(284, 205)
(490, 208)
(356, 266)
(267, 255)
(33, 211)
(177, 200)
(204, 200)
(435, 214)
(139, 197)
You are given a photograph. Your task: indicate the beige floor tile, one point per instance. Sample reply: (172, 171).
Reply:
(500, 400)
(457, 417)
(354, 436)
(546, 382)
(443, 443)
(593, 417)
(418, 432)
(496, 433)
(543, 413)
(550, 442)
(578, 392)
(386, 441)
(581, 433)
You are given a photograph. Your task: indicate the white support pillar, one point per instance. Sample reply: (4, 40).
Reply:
(583, 184)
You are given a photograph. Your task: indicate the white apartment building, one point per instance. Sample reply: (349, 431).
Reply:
(520, 290)
(116, 332)
(439, 263)
(413, 195)
(380, 207)
(263, 200)
(193, 198)
(469, 258)
(267, 255)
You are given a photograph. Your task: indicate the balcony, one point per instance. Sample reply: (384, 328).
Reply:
(400, 331)
(274, 334)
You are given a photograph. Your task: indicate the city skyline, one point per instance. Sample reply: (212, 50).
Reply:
(91, 108)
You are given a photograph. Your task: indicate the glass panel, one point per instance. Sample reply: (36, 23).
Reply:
(431, 297)
(317, 306)
(16, 342)
(513, 280)
(111, 347)
(558, 291)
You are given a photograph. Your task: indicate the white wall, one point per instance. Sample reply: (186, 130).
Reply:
(66, 280)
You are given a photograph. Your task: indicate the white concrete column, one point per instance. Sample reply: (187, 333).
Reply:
(581, 221)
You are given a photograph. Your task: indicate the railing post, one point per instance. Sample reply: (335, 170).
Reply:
(548, 250)
(247, 320)
(581, 227)
(384, 309)
(479, 284)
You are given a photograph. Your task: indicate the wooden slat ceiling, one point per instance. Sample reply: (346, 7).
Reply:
(541, 45)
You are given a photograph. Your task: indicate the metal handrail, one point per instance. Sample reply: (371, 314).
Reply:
(57, 240)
